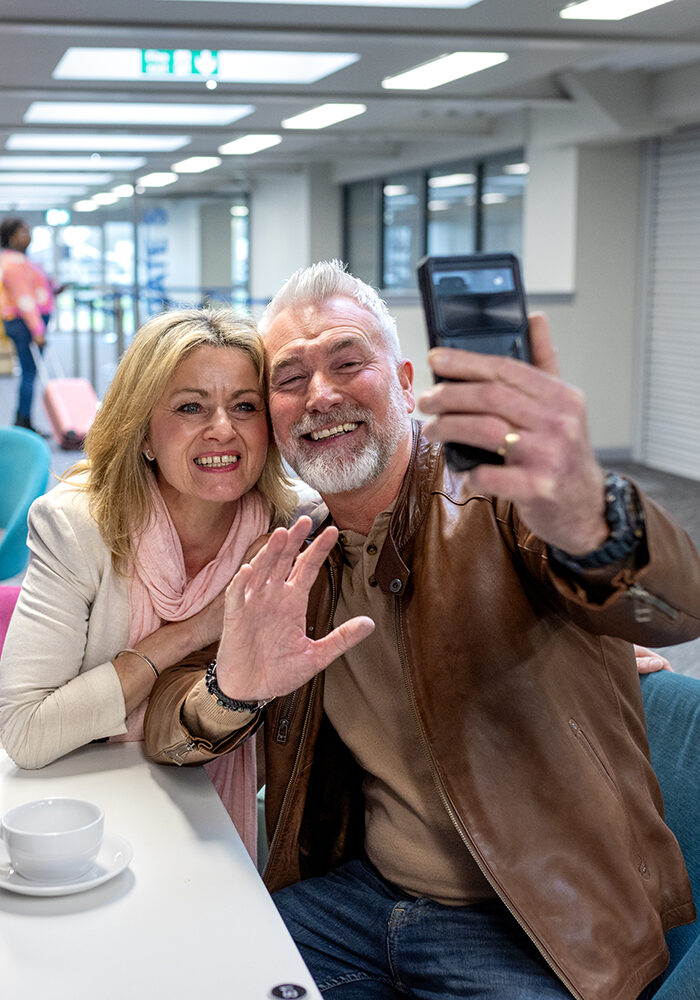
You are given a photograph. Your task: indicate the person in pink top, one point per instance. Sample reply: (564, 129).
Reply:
(26, 302)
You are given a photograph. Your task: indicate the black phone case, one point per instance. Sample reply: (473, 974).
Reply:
(452, 320)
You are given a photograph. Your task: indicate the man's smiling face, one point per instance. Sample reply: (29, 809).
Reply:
(339, 398)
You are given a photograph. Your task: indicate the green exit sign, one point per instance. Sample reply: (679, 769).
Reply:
(179, 62)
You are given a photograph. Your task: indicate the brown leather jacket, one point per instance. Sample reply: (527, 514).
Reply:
(526, 697)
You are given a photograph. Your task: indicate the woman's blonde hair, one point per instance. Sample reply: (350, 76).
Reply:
(116, 480)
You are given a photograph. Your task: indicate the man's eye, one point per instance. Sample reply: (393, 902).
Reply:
(350, 364)
(289, 381)
(189, 408)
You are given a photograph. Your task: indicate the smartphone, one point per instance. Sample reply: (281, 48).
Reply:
(475, 302)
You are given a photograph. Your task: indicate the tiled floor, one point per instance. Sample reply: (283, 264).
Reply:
(680, 496)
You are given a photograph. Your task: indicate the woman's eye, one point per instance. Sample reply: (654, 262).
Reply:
(189, 408)
(246, 407)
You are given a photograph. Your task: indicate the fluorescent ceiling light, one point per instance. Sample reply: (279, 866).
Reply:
(226, 66)
(438, 205)
(516, 168)
(91, 141)
(158, 179)
(134, 113)
(443, 70)
(123, 190)
(239, 211)
(463, 4)
(85, 206)
(248, 144)
(22, 177)
(105, 198)
(493, 198)
(324, 115)
(608, 10)
(451, 180)
(46, 194)
(196, 164)
(395, 190)
(71, 162)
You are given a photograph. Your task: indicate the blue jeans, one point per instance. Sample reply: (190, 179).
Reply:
(18, 332)
(362, 939)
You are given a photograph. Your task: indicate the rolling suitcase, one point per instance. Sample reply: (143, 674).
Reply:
(70, 403)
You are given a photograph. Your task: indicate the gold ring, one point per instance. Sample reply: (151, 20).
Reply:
(509, 442)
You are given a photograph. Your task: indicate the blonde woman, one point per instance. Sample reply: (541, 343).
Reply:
(131, 553)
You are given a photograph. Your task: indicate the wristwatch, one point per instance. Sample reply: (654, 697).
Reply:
(223, 699)
(623, 513)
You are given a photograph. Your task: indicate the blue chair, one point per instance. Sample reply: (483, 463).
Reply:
(672, 708)
(24, 473)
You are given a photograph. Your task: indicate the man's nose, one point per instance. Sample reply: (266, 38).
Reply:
(322, 393)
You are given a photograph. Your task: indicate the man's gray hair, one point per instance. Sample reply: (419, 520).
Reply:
(328, 279)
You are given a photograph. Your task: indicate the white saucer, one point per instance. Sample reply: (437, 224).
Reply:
(114, 855)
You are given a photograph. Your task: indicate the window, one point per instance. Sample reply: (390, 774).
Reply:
(458, 208)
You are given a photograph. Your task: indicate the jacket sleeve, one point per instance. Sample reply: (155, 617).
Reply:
(184, 723)
(652, 599)
(50, 703)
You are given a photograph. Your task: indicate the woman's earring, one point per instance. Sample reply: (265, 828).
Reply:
(148, 454)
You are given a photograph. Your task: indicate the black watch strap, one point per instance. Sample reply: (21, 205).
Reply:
(623, 513)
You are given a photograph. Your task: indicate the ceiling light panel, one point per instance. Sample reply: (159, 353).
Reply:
(324, 115)
(226, 66)
(158, 179)
(46, 194)
(449, 4)
(134, 113)
(443, 70)
(90, 141)
(196, 164)
(608, 10)
(248, 144)
(52, 178)
(71, 162)
(451, 180)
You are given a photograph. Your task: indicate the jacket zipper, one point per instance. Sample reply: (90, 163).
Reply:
(642, 601)
(179, 751)
(304, 728)
(460, 829)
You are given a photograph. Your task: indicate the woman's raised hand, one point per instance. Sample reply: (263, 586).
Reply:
(264, 650)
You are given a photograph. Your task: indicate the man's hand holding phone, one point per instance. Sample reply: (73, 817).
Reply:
(539, 424)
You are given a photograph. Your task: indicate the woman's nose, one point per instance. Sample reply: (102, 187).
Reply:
(222, 426)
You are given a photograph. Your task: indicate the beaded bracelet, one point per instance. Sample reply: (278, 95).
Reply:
(232, 704)
(143, 657)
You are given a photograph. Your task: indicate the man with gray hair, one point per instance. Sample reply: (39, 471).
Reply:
(458, 791)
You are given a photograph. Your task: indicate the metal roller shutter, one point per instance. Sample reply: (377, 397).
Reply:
(670, 408)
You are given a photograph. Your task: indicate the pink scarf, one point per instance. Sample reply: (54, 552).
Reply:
(160, 592)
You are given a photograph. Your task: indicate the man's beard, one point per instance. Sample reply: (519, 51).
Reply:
(330, 472)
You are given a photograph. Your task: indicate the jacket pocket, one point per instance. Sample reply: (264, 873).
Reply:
(593, 755)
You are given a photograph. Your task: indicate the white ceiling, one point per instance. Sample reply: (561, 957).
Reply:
(565, 80)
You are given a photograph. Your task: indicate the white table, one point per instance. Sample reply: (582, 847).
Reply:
(190, 917)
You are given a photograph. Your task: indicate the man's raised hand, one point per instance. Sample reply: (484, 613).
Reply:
(264, 650)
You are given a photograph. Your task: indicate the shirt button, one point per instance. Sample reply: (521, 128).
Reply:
(372, 581)
(395, 586)
(371, 548)
(342, 539)
(310, 630)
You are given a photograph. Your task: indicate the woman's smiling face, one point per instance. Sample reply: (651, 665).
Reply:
(209, 430)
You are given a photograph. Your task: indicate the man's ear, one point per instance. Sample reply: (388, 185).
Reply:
(405, 374)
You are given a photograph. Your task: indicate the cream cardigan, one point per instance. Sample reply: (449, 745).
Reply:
(58, 688)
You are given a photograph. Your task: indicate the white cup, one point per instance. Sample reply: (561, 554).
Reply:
(53, 840)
